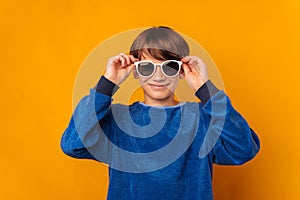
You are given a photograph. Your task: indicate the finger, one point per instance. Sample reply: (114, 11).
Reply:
(127, 59)
(196, 64)
(130, 68)
(133, 59)
(201, 62)
(197, 60)
(186, 68)
(115, 59)
(193, 61)
(122, 60)
(186, 59)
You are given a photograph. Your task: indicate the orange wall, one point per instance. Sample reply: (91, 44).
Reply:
(255, 45)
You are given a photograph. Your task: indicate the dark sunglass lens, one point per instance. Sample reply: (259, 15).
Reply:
(171, 68)
(145, 68)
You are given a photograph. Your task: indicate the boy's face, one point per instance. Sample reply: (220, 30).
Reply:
(158, 89)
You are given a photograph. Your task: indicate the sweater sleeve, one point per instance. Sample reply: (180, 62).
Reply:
(229, 138)
(89, 121)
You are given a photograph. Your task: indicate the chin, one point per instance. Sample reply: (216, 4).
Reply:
(159, 96)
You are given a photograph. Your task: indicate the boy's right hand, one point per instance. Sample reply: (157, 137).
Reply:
(119, 68)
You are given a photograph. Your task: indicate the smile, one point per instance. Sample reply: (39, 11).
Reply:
(157, 86)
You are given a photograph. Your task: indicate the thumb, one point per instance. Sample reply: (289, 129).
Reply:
(186, 68)
(130, 67)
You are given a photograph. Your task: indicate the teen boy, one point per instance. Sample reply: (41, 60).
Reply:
(100, 130)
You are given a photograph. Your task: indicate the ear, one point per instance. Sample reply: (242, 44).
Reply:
(135, 74)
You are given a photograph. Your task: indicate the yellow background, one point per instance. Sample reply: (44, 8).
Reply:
(255, 45)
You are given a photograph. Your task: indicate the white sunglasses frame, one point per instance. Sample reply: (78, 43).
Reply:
(155, 65)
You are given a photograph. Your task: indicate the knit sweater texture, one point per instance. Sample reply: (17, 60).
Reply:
(163, 152)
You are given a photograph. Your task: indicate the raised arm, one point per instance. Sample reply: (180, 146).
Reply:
(229, 138)
(92, 116)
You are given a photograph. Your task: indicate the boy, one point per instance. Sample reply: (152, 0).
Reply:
(159, 148)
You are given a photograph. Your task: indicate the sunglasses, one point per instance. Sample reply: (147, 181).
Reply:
(146, 68)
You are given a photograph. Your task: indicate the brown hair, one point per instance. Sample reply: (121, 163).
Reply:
(161, 43)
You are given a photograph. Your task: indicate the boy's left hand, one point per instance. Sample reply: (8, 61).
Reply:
(195, 71)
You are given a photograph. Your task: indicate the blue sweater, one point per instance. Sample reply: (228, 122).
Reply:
(159, 152)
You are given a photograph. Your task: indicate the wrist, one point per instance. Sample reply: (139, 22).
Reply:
(106, 86)
(206, 91)
(199, 84)
(112, 79)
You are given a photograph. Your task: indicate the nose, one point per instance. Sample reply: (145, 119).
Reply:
(158, 75)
